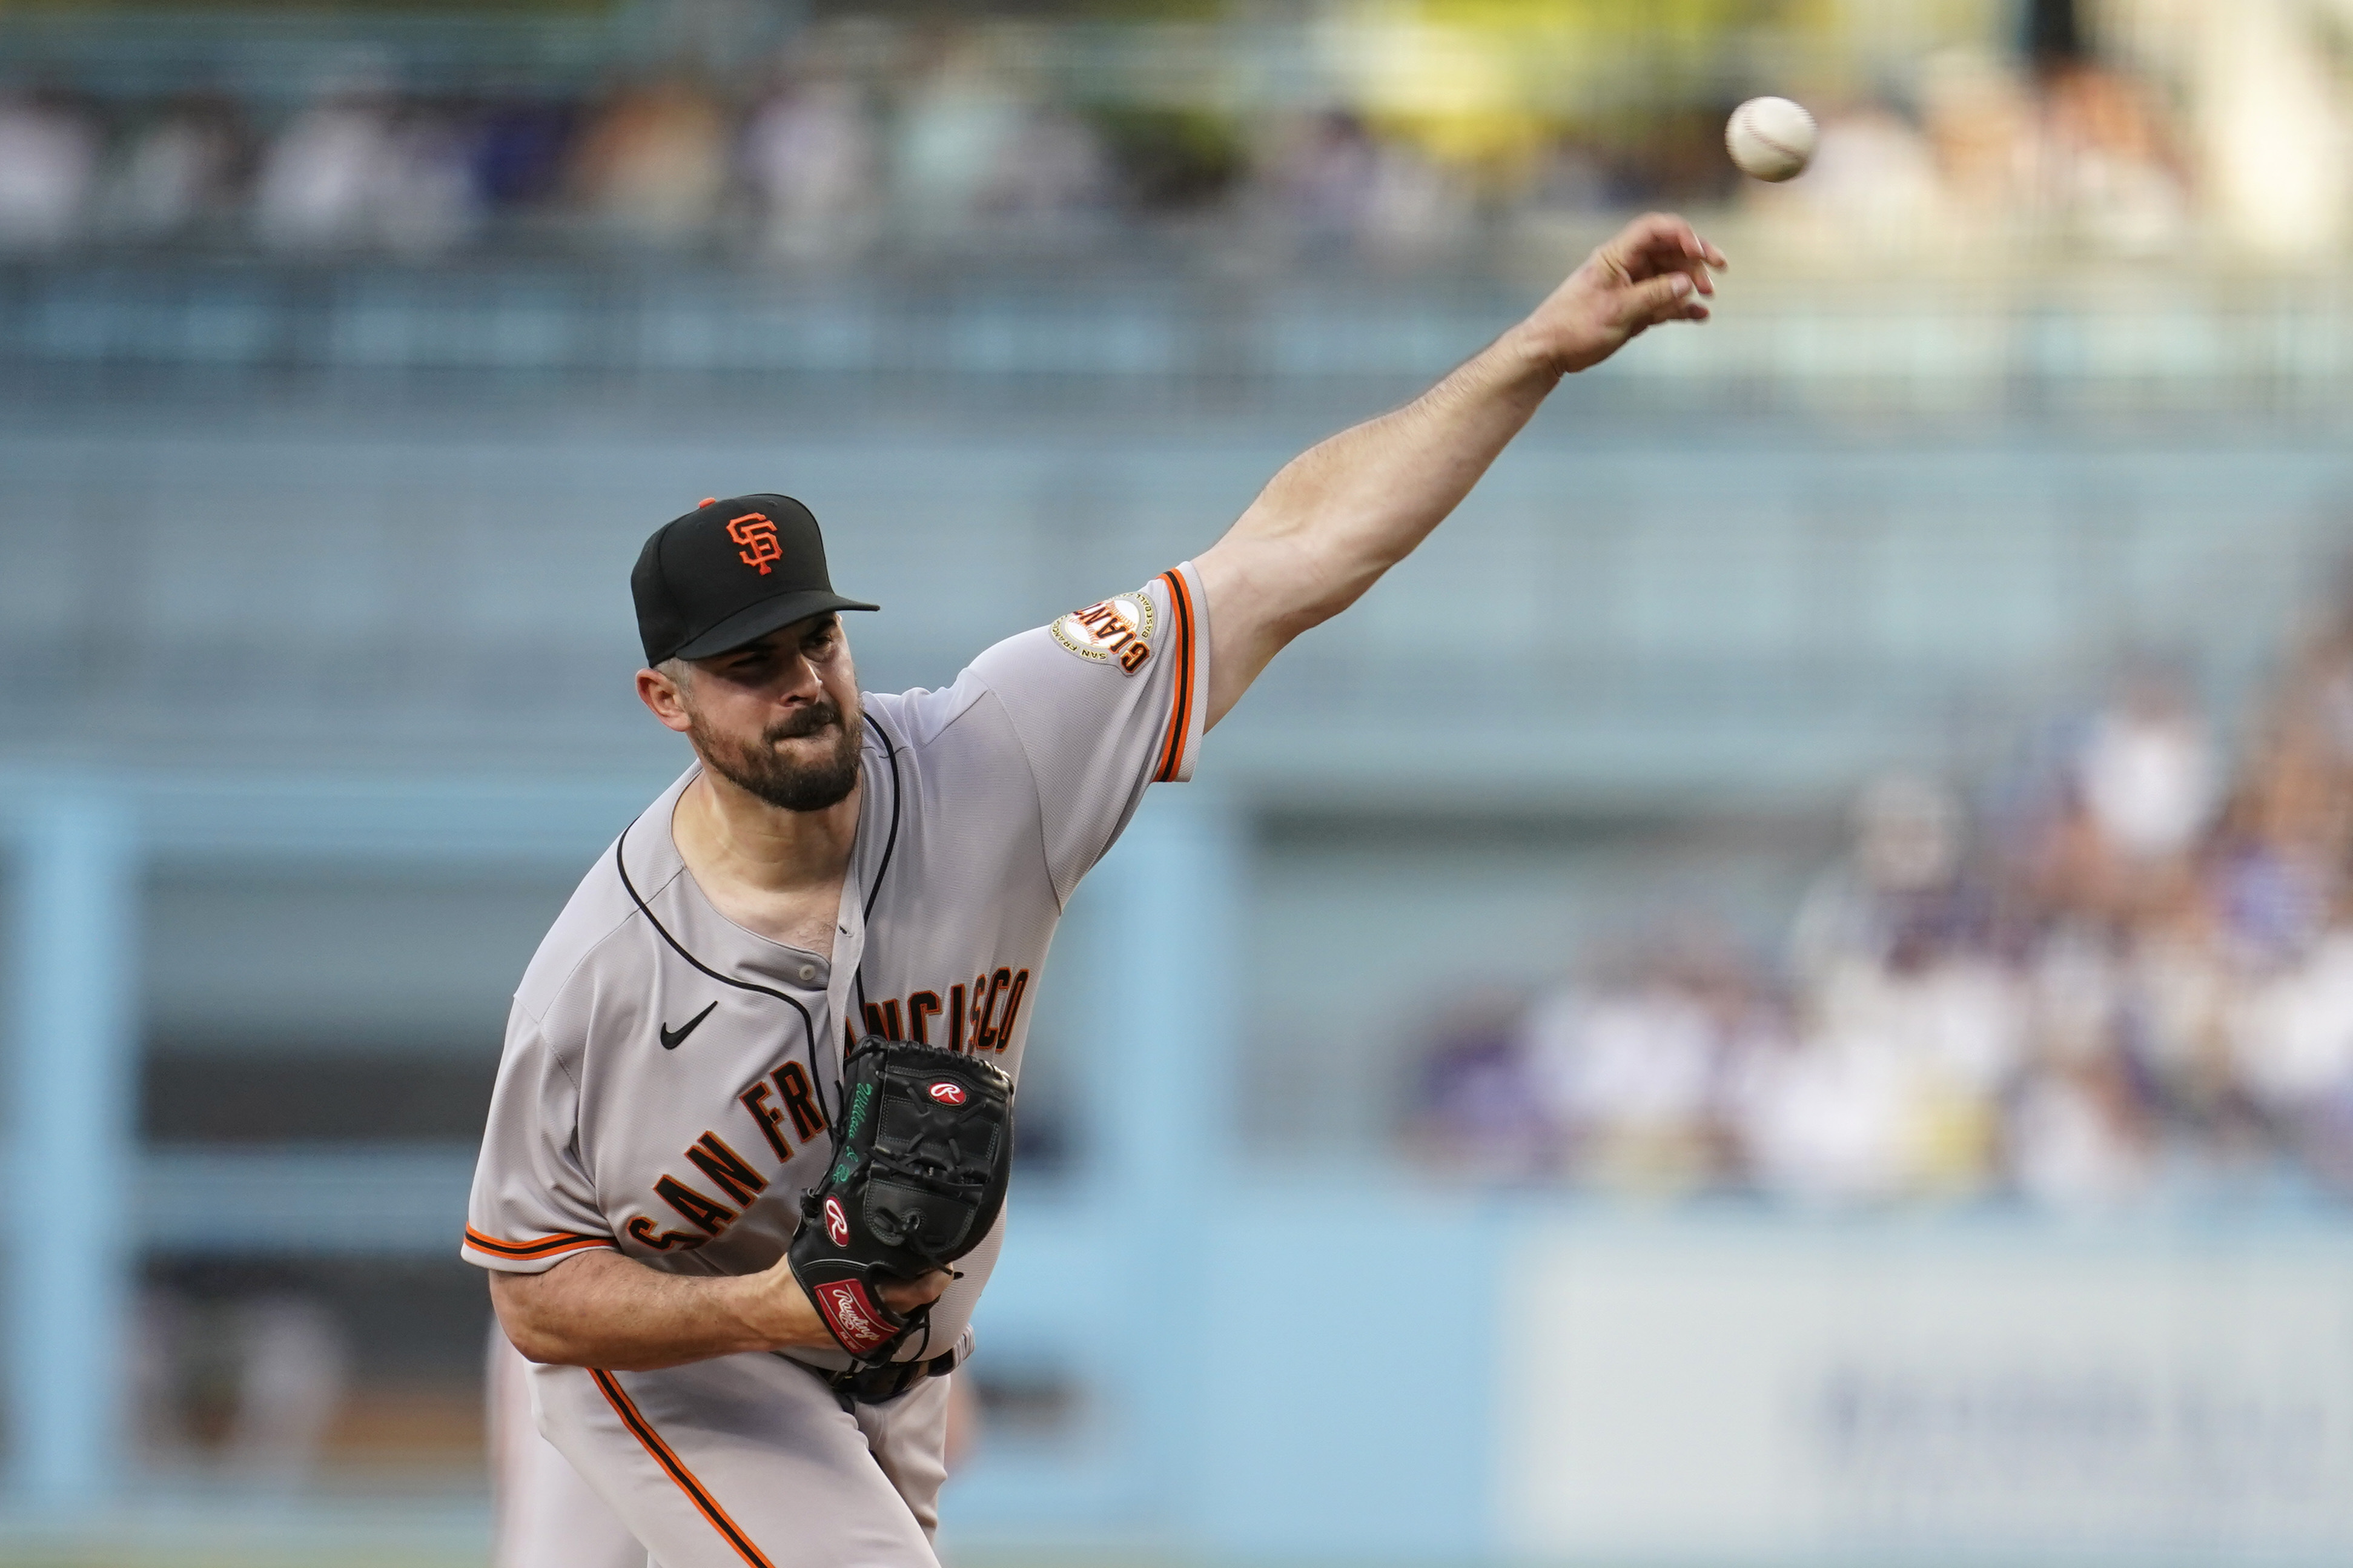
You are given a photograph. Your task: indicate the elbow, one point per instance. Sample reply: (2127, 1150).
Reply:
(1330, 582)
(540, 1349)
(536, 1340)
(1294, 621)
(539, 1343)
(1315, 613)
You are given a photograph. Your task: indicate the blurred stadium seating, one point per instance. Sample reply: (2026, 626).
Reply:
(1799, 943)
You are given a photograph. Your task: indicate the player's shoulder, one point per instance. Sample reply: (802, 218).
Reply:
(919, 717)
(584, 942)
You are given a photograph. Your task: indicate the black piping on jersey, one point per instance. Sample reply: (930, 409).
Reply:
(808, 1026)
(890, 844)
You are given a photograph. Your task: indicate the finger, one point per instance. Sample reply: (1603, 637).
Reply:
(1695, 261)
(1695, 248)
(1695, 268)
(1656, 232)
(1677, 249)
(1665, 299)
(1657, 241)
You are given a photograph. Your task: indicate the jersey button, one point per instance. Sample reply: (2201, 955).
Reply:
(808, 971)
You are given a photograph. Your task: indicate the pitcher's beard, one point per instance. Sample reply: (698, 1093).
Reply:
(783, 782)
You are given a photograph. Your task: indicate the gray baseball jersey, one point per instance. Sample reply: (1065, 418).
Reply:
(667, 1073)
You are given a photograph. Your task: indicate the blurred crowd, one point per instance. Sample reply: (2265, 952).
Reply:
(816, 168)
(2125, 972)
(2148, 138)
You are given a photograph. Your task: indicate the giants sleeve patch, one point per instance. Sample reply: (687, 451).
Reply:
(1117, 630)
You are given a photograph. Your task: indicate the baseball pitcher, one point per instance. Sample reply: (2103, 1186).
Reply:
(741, 1186)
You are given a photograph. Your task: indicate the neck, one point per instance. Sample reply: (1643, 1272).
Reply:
(720, 828)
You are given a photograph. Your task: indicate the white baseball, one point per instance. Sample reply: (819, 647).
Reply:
(1770, 137)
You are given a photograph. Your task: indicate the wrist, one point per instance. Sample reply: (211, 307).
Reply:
(772, 1310)
(1532, 353)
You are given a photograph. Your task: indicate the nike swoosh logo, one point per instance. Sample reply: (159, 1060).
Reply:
(671, 1037)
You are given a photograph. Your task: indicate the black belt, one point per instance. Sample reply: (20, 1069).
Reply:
(880, 1382)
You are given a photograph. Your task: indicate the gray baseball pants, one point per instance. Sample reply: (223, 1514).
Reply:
(747, 1461)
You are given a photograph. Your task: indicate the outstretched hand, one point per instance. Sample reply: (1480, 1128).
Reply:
(1656, 268)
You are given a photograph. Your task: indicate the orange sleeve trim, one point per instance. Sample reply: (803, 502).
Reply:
(1180, 707)
(538, 1247)
(663, 1455)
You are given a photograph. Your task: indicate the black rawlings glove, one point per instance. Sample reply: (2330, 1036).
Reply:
(922, 1143)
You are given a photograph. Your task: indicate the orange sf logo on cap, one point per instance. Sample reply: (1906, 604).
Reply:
(757, 535)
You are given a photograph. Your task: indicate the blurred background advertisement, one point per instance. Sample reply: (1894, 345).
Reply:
(1781, 993)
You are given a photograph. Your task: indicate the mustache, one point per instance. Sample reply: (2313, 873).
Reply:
(820, 715)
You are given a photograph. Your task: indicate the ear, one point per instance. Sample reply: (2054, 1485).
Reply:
(659, 693)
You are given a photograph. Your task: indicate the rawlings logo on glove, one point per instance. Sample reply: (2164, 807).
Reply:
(856, 1319)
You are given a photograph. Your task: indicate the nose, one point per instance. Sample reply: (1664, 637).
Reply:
(797, 683)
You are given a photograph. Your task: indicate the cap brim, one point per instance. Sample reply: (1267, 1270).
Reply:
(749, 625)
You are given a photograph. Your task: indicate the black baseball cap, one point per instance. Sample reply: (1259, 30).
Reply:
(729, 572)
